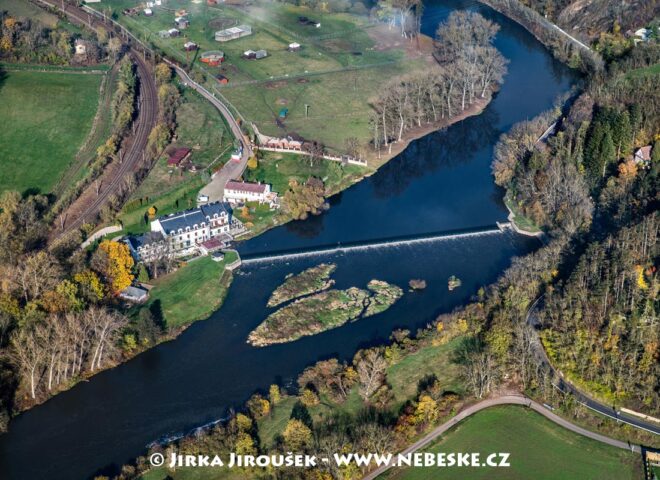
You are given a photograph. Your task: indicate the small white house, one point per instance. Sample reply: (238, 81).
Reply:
(80, 47)
(134, 294)
(642, 34)
(643, 156)
(294, 47)
(242, 192)
(148, 12)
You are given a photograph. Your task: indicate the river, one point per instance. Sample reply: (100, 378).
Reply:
(441, 183)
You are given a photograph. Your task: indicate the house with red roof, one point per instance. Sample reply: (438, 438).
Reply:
(177, 156)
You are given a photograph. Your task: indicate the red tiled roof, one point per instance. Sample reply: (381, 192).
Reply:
(212, 243)
(246, 187)
(178, 155)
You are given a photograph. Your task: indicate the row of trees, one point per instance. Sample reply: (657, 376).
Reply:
(468, 68)
(60, 348)
(169, 99)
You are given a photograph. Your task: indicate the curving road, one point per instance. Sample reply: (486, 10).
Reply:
(505, 400)
(562, 385)
(145, 121)
(232, 169)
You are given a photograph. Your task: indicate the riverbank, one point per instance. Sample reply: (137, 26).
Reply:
(175, 301)
(277, 169)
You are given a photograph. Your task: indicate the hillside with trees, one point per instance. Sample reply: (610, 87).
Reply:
(60, 320)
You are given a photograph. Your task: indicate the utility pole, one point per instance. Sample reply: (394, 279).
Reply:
(306, 110)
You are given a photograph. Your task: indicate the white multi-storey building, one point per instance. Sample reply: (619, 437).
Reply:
(186, 230)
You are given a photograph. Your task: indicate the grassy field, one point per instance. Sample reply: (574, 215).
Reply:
(193, 292)
(340, 66)
(22, 8)
(280, 168)
(46, 118)
(539, 449)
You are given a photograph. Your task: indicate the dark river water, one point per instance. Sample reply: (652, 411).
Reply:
(441, 183)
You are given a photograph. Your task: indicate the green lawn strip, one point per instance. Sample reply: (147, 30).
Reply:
(273, 425)
(199, 473)
(539, 449)
(520, 220)
(653, 70)
(102, 129)
(193, 292)
(182, 197)
(278, 169)
(200, 126)
(103, 67)
(46, 118)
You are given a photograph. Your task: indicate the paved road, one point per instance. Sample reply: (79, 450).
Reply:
(504, 400)
(566, 387)
(232, 169)
(145, 121)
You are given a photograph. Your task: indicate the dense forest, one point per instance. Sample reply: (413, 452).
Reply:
(584, 184)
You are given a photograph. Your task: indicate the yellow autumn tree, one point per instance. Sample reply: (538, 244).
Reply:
(628, 170)
(252, 163)
(118, 265)
(274, 394)
(641, 281)
(244, 444)
(89, 285)
(426, 411)
(296, 435)
(309, 398)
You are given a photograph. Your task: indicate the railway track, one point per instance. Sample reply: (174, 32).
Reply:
(146, 119)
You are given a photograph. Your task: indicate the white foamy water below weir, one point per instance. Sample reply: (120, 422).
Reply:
(373, 245)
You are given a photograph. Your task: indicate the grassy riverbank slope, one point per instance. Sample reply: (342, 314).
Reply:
(191, 293)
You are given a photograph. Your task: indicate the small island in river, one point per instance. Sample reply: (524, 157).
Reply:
(323, 310)
(312, 280)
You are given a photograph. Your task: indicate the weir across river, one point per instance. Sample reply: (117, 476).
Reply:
(286, 255)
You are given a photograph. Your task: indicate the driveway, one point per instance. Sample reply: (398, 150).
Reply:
(232, 169)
